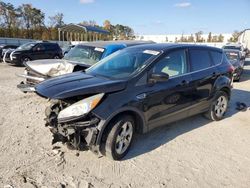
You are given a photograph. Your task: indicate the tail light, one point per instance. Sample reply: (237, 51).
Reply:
(231, 68)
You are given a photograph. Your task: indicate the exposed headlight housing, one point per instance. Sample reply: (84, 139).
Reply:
(80, 108)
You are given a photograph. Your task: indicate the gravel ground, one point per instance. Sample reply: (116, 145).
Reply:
(190, 153)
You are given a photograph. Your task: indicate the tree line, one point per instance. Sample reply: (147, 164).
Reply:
(197, 37)
(26, 21)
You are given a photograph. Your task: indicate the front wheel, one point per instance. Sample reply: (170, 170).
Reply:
(24, 60)
(56, 57)
(218, 107)
(119, 138)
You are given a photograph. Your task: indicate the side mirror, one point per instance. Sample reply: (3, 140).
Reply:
(158, 77)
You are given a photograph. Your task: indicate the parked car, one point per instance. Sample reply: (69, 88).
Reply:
(136, 90)
(236, 46)
(237, 60)
(67, 49)
(33, 51)
(5, 47)
(78, 58)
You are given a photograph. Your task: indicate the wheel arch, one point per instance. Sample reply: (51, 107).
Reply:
(140, 124)
(223, 83)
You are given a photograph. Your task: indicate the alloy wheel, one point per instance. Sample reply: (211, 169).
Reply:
(124, 137)
(221, 106)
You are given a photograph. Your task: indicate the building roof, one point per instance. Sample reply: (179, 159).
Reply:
(79, 28)
(127, 43)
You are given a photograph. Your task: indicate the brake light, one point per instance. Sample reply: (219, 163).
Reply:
(231, 68)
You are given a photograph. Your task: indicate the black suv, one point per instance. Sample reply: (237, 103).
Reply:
(135, 90)
(33, 51)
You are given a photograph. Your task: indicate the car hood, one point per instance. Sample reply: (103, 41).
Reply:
(18, 51)
(52, 67)
(77, 84)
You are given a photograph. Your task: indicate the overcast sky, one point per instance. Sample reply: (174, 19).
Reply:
(154, 16)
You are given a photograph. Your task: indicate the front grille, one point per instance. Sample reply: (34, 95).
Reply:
(34, 74)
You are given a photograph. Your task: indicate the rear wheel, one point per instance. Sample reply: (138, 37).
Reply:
(119, 138)
(218, 107)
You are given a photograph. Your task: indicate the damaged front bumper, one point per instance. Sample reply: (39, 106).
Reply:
(31, 79)
(79, 134)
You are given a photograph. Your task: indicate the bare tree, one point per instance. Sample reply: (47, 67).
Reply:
(56, 20)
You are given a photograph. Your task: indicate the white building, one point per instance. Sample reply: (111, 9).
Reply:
(177, 37)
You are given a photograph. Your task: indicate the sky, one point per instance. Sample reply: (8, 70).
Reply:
(153, 16)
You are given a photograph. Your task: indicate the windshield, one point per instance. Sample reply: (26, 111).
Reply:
(85, 54)
(26, 46)
(122, 64)
(232, 56)
(232, 47)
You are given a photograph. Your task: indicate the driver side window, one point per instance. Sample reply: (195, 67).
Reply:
(39, 47)
(173, 63)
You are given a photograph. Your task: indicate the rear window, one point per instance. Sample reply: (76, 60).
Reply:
(232, 56)
(216, 57)
(51, 46)
(199, 59)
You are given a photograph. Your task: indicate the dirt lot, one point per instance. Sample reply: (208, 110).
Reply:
(191, 153)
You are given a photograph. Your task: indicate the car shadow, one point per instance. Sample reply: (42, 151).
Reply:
(152, 140)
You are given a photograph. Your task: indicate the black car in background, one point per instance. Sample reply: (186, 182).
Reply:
(33, 51)
(5, 47)
(236, 46)
(237, 60)
(135, 90)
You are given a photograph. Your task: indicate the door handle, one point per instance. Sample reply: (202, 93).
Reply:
(184, 83)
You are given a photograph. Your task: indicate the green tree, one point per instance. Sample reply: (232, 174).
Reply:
(9, 17)
(209, 38)
(32, 20)
(198, 36)
(220, 38)
(190, 38)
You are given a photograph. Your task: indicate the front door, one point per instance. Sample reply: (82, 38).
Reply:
(167, 101)
(39, 52)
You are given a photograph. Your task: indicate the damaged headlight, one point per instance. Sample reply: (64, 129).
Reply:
(80, 108)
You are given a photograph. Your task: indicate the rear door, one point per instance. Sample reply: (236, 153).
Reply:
(52, 50)
(204, 74)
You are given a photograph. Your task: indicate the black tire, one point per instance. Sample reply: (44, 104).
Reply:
(56, 57)
(24, 60)
(211, 114)
(237, 79)
(116, 129)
